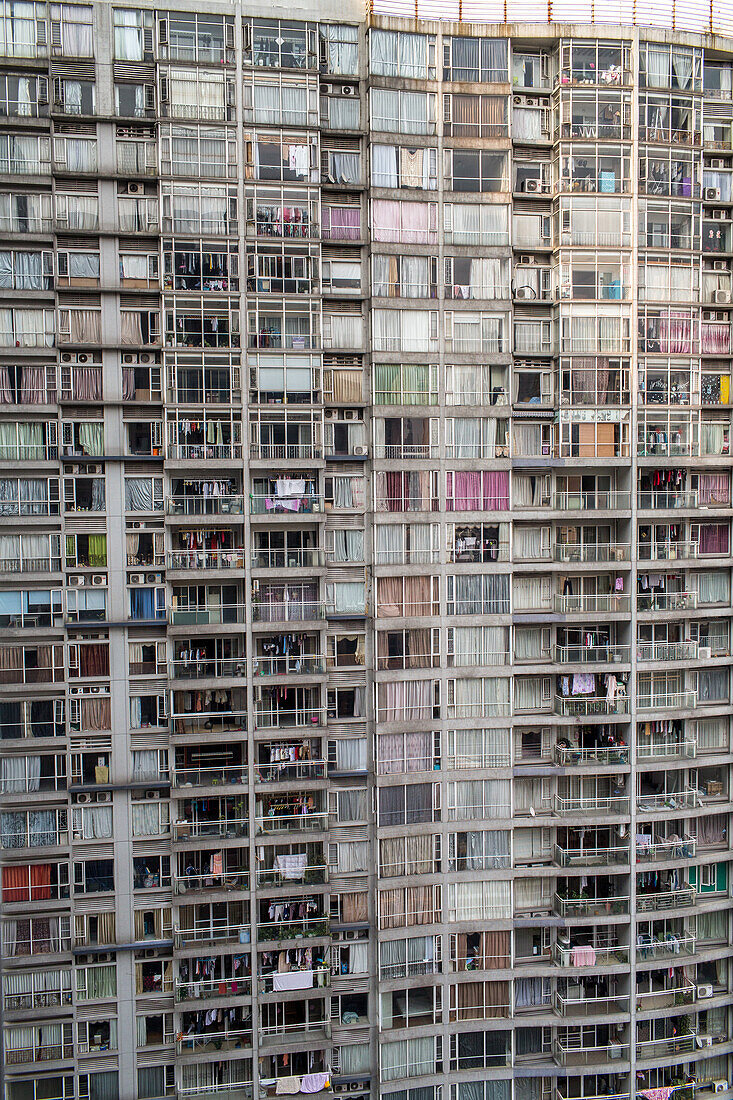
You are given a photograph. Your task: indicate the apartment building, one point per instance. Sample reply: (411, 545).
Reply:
(365, 586)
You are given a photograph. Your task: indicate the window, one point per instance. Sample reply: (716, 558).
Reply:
(403, 112)
(23, 29)
(279, 44)
(478, 60)
(475, 170)
(194, 37)
(91, 877)
(133, 34)
(74, 97)
(475, 115)
(396, 53)
(72, 30)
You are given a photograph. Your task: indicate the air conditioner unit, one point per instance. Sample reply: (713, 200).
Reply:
(104, 796)
(66, 357)
(722, 297)
(704, 991)
(76, 580)
(135, 188)
(329, 414)
(719, 215)
(361, 450)
(525, 293)
(95, 690)
(128, 357)
(136, 578)
(99, 578)
(326, 89)
(705, 652)
(712, 194)
(145, 357)
(720, 265)
(526, 259)
(83, 798)
(720, 1086)
(348, 89)
(152, 794)
(717, 163)
(532, 185)
(349, 414)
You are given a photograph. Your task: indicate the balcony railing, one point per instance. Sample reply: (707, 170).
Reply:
(310, 979)
(202, 721)
(611, 500)
(27, 564)
(654, 747)
(225, 828)
(571, 1052)
(592, 654)
(660, 500)
(286, 772)
(667, 948)
(688, 799)
(297, 558)
(594, 1006)
(666, 551)
(582, 956)
(261, 504)
(38, 1051)
(203, 452)
(215, 987)
(666, 849)
(207, 668)
(590, 907)
(199, 560)
(293, 929)
(578, 706)
(590, 857)
(289, 452)
(309, 664)
(666, 899)
(666, 651)
(662, 998)
(287, 611)
(205, 615)
(666, 601)
(592, 552)
(286, 876)
(661, 1048)
(202, 776)
(203, 881)
(292, 823)
(611, 804)
(278, 718)
(615, 754)
(607, 603)
(221, 1040)
(673, 700)
(216, 933)
(205, 506)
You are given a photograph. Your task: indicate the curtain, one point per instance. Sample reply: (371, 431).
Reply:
(384, 164)
(481, 490)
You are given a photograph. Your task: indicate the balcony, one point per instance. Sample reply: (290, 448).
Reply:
(208, 990)
(290, 871)
(593, 654)
(566, 755)
(592, 552)
(205, 506)
(667, 551)
(287, 611)
(39, 1050)
(200, 560)
(585, 1007)
(663, 1048)
(680, 848)
(293, 929)
(590, 857)
(666, 998)
(688, 799)
(187, 776)
(607, 604)
(568, 706)
(309, 664)
(287, 452)
(683, 898)
(207, 668)
(287, 772)
(210, 934)
(590, 907)
(658, 500)
(666, 601)
(656, 748)
(219, 614)
(291, 823)
(582, 956)
(595, 500)
(569, 1051)
(293, 558)
(203, 722)
(666, 651)
(673, 700)
(198, 881)
(670, 947)
(294, 979)
(225, 828)
(211, 1041)
(261, 504)
(611, 804)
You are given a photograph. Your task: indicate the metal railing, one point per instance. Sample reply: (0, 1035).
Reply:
(225, 828)
(607, 603)
(688, 799)
(656, 500)
(673, 700)
(293, 929)
(263, 504)
(287, 611)
(682, 898)
(299, 558)
(592, 654)
(614, 754)
(594, 1006)
(666, 551)
(292, 823)
(570, 1051)
(590, 907)
(275, 718)
(590, 857)
(207, 668)
(660, 998)
(601, 956)
(666, 849)
(206, 506)
(308, 664)
(594, 500)
(199, 560)
(202, 721)
(611, 804)
(214, 987)
(291, 452)
(273, 876)
(188, 1044)
(212, 776)
(666, 601)
(580, 707)
(320, 978)
(670, 947)
(666, 651)
(592, 552)
(201, 881)
(653, 747)
(203, 615)
(222, 933)
(660, 1048)
(286, 771)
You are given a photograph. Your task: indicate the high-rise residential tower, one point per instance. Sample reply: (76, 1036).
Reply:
(365, 564)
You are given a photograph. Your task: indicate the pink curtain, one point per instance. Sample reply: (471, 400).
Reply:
(714, 538)
(675, 334)
(341, 223)
(716, 339)
(714, 489)
(477, 490)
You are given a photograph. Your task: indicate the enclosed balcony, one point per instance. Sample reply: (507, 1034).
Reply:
(211, 765)
(292, 918)
(286, 603)
(585, 1000)
(206, 605)
(283, 761)
(586, 1046)
(290, 813)
(212, 922)
(285, 497)
(198, 497)
(208, 658)
(211, 871)
(216, 551)
(198, 819)
(294, 863)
